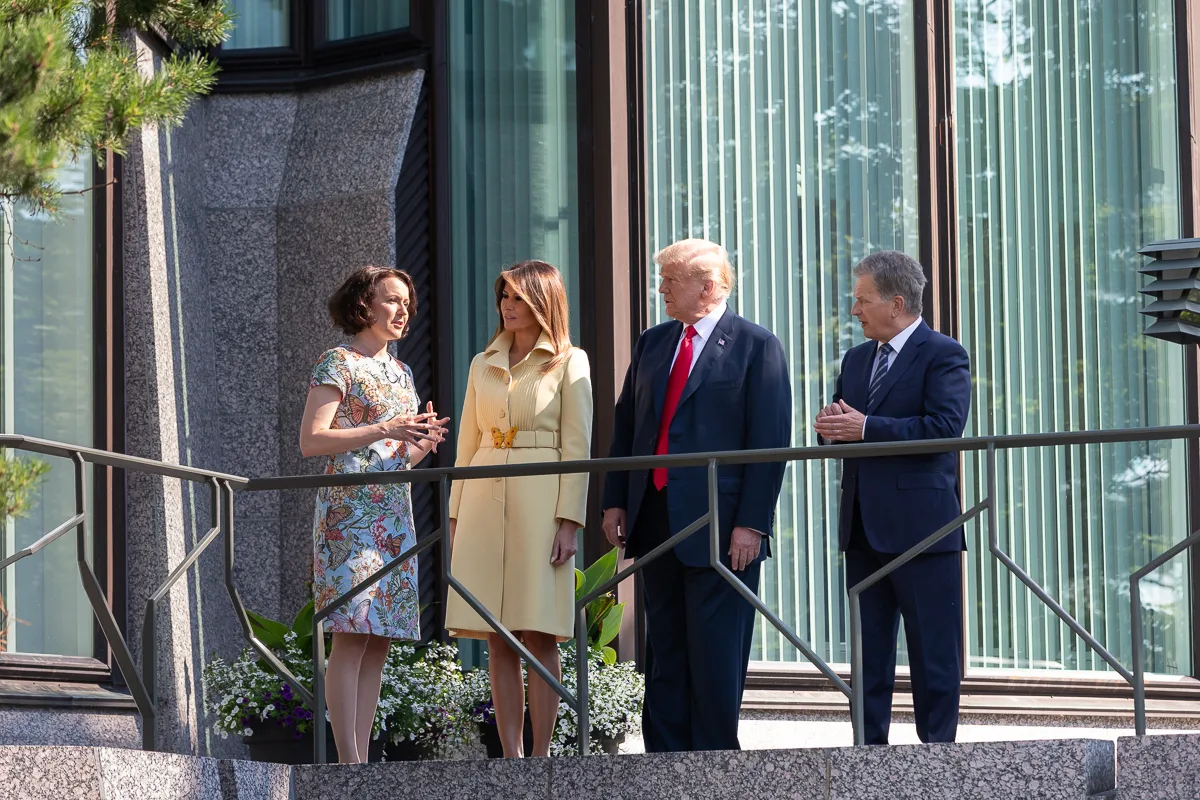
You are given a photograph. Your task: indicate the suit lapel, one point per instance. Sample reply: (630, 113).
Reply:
(904, 359)
(714, 348)
(660, 368)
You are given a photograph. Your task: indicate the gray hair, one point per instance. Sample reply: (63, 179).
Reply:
(895, 275)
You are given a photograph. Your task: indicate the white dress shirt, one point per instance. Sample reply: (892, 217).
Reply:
(704, 331)
(898, 341)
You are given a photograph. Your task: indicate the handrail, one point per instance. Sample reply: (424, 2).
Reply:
(142, 683)
(107, 458)
(579, 700)
(629, 463)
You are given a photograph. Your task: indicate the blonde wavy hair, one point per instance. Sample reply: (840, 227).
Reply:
(700, 259)
(541, 286)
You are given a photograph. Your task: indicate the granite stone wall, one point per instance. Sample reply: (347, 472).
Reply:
(238, 225)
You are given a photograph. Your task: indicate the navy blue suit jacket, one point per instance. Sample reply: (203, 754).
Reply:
(925, 395)
(738, 397)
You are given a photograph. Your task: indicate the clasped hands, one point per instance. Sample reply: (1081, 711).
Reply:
(744, 544)
(838, 422)
(418, 428)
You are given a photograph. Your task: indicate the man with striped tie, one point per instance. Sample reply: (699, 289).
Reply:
(906, 383)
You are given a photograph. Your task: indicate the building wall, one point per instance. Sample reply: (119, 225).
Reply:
(238, 226)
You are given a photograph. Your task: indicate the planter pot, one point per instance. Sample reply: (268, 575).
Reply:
(407, 751)
(489, 736)
(279, 745)
(491, 740)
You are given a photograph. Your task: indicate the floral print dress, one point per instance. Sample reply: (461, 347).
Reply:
(358, 529)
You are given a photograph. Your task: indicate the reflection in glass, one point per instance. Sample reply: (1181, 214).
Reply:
(513, 158)
(345, 19)
(259, 23)
(46, 363)
(787, 132)
(1067, 163)
(513, 161)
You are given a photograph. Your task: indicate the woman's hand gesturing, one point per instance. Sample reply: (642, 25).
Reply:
(413, 429)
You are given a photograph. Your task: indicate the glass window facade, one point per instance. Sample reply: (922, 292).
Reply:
(46, 362)
(260, 23)
(514, 161)
(346, 19)
(1067, 164)
(787, 134)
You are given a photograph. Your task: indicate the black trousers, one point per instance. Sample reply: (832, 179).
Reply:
(699, 631)
(927, 592)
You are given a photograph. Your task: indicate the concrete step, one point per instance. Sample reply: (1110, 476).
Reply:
(1155, 768)
(1160, 767)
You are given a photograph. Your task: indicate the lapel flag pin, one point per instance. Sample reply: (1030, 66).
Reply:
(720, 342)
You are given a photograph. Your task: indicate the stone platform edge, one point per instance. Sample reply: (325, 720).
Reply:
(1162, 767)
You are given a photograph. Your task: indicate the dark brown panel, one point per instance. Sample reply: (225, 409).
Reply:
(604, 201)
(419, 349)
(933, 36)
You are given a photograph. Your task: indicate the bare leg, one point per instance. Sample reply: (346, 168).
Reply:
(370, 677)
(508, 695)
(341, 691)
(543, 700)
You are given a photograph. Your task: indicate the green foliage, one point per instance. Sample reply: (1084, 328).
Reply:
(604, 614)
(19, 477)
(70, 81)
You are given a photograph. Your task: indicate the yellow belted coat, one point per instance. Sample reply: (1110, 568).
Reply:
(506, 526)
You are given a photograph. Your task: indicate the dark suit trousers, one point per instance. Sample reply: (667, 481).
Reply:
(698, 635)
(927, 591)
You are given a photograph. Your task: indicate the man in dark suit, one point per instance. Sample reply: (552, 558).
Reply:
(707, 380)
(907, 383)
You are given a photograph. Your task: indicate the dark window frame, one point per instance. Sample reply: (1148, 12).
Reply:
(105, 484)
(311, 59)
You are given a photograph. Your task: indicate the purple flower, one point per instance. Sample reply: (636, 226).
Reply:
(287, 692)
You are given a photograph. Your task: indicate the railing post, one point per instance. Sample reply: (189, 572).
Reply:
(1139, 675)
(108, 624)
(320, 746)
(858, 719)
(581, 683)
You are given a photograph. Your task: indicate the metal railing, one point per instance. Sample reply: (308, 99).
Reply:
(143, 683)
(578, 701)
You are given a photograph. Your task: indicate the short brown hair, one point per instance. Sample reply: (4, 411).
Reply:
(350, 305)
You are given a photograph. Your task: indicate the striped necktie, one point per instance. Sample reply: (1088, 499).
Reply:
(881, 368)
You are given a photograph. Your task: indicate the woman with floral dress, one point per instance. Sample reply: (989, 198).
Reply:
(364, 415)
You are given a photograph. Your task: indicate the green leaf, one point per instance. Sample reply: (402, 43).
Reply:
(596, 611)
(578, 583)
(610, 656)
(271, 633)
(304, 620)
(610, 626)
(601, 570)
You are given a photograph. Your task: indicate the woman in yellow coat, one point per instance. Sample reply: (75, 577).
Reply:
(529, 401)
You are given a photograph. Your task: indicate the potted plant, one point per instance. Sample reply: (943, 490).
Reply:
(249, 700)
(417, 714)
(615, 690)
(420, 713)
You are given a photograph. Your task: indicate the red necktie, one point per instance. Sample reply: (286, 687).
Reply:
(675, 384)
